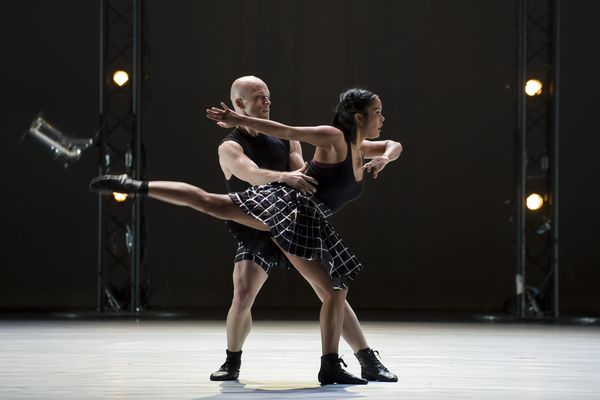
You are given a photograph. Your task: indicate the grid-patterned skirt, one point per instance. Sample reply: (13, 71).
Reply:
(299, 225)
(257, 246)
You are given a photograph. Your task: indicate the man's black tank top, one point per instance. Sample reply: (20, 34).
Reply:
(266, 151)
(337, 184)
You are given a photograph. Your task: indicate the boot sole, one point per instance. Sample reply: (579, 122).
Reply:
(219, 379)
(371, 379)
(333, 382)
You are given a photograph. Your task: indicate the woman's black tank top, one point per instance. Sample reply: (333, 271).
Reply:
(337, 184)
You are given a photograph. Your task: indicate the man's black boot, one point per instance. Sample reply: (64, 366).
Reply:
(371, 367)
(332, 372)
(230, 370)
(106, 184)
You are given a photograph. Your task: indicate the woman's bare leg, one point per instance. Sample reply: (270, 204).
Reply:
(331, 320)
(371, 367)
(216, 205)
(331, 316)
(351, 330)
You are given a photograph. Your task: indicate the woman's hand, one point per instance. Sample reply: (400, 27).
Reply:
(376, 165)
(225, 117)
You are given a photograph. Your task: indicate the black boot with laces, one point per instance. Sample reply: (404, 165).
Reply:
(107, 184)
(332, 372)
(371, 367)
(230, 370)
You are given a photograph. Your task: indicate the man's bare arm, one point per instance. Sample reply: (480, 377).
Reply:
(296, 158)
(234, 161)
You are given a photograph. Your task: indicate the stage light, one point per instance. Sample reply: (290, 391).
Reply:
(63, 148)
(534, 201)
(533, 87)
(119, 197)
(120, 77)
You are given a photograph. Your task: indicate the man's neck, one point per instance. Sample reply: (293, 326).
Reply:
(249, 131)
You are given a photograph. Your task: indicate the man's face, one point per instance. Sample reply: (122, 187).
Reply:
(257, 101)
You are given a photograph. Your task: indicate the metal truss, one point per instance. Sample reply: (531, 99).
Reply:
(122, 276)
(537, 266)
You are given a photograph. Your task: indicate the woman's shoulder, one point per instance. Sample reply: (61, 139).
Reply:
(335, 134)
(326, 137)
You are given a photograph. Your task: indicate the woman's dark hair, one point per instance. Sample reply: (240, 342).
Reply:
(351, 101)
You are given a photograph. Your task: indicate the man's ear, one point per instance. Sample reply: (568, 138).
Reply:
(240, 103)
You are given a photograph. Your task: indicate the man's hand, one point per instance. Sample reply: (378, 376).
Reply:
(299, 181)
(376, 165)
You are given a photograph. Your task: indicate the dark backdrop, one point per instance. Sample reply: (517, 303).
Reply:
(433, 231)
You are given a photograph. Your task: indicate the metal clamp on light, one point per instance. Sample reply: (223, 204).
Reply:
(63, 148)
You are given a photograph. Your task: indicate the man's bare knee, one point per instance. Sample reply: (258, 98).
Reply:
(242, 301)
(248, 278)
(244, 295)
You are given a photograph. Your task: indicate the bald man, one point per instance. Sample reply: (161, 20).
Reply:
(247, 158)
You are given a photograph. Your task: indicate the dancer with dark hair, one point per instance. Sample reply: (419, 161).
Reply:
(247, 157)
(297, 222)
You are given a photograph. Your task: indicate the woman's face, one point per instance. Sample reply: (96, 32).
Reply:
(373, 123)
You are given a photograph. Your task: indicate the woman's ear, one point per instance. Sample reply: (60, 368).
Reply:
(358, 119)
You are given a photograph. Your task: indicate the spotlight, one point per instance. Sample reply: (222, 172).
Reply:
(534, 201)
(120, 77)
(120, 197)
(63, 148)
(533, 87)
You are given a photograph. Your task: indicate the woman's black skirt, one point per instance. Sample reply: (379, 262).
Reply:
(299, 225)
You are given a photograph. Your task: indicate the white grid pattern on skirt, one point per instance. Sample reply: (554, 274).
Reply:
(245, 253)
(299, 224)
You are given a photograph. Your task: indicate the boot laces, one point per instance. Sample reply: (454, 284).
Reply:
(228, 364)
(342, 361)
(375, 358)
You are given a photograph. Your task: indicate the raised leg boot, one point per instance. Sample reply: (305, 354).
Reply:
(230, 370)
(371, 367)
(332, 372)
(107, 184)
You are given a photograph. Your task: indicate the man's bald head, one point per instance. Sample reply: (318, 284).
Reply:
(241, 87)
(250, 96)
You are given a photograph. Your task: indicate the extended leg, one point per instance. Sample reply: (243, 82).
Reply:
(216, 205)
(178, 193)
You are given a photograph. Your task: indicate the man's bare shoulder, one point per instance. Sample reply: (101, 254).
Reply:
(230, 148)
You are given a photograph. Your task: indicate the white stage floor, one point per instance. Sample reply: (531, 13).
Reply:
(173, 360)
